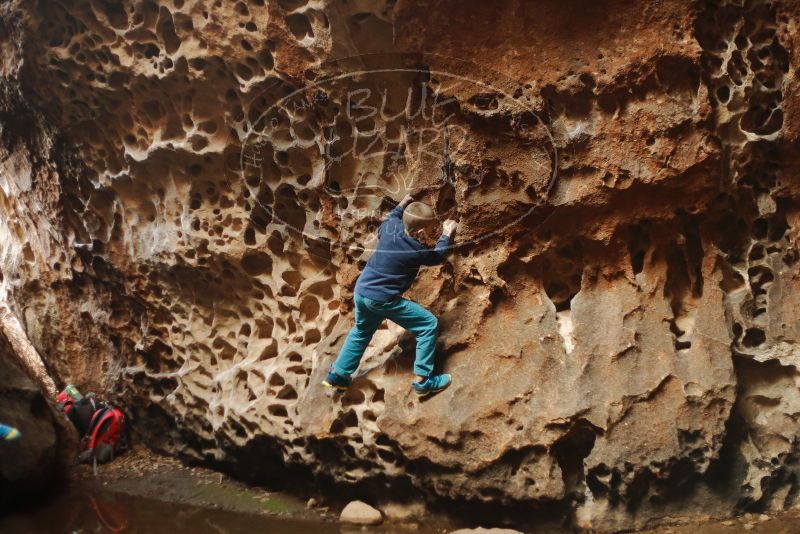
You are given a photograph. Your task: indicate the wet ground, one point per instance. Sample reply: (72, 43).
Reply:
(85, 508)
(782, 523)
(145, 493)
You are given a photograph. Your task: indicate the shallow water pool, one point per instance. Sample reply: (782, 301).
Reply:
(87, 507)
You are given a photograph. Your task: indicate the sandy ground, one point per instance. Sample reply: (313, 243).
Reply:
(782, 523)
(142, 473)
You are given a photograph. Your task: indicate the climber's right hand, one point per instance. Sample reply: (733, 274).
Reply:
(449, 227)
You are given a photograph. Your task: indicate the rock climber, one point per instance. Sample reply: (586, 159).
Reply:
(9, 433)
(389, 272)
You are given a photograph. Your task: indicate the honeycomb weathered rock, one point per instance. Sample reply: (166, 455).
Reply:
(188, 216)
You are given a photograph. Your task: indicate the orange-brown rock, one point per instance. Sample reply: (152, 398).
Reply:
(190, 188)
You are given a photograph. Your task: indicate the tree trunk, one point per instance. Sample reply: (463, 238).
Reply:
(25, 353)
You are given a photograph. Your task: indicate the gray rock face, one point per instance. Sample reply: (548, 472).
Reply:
(191, 188)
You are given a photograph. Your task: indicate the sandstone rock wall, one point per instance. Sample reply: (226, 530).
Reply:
(191, 187)
(31, 467)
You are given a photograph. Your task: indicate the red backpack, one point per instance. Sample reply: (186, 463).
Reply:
(102, 427)
(106, 436)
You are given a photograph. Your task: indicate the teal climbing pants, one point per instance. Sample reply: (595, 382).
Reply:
(369, 315)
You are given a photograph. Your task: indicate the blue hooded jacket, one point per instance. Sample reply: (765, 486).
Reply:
(391, 269)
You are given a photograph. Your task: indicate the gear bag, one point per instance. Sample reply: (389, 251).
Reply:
(102, 427)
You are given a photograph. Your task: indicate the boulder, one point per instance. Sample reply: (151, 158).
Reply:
(360, 513)
(404, 511)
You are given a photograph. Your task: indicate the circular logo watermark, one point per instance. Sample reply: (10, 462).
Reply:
(331, 158)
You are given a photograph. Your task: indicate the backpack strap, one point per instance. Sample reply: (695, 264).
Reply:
(100, 417)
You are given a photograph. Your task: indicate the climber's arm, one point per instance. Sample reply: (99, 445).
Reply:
(437, 254)
(397, 212)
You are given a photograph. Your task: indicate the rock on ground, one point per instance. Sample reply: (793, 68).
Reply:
(361, 513)
(405, 511)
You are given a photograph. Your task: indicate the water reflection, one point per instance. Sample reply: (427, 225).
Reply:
(84, 508)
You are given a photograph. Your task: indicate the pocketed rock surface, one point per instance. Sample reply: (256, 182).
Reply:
(190, 187)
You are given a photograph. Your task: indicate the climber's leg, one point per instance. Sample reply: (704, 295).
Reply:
(367, 321)
(424, 325)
